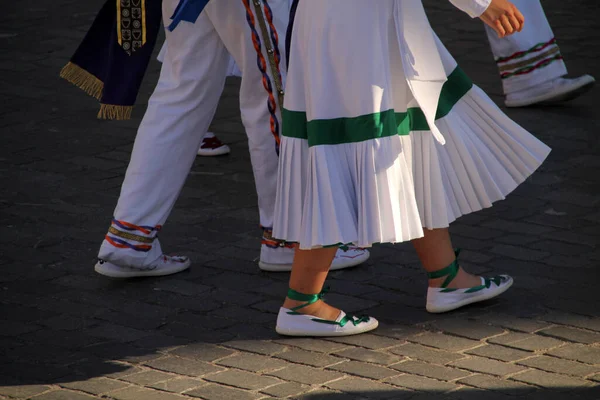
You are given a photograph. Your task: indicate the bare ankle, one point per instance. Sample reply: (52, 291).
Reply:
(318, 309)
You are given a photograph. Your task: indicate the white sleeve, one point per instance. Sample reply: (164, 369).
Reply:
(472, 7)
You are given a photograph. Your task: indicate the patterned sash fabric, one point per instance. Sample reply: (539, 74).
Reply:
(131, 24)
(112, 59)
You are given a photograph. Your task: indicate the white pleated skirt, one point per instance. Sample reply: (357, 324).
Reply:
(358, 163)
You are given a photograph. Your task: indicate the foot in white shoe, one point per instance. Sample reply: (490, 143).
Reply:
(290, 322)
(212, 146)
(279, 259)
(277, 255)
(555, 91)
(349, 256)
(442, 299)
(164, 265)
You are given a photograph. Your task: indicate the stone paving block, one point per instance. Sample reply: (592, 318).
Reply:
(309, 358)
(136, 393)
(96, 385)
(430, 370)
(497, 385)
(66, 395)
(318, 345)
(577, 352)
(178, 385)
(252, 362)
(574, 320)
(181, 287)
(322, 393)
(500, 353)
(526, 342)
(519, 253)
(218, 392)
(147, 310)
(149, 377)
(116, 332)
(286, 390)
(202, 352)
(550, 380)
(393, 297)
(122, 352)
(572, 197)
(120, 370)
(487, 366)
(572, 334)
(257, 346)
(421, 383)
(468, 329)
(129, 321)
(566, 367)
(418, 352)
(369, 341)
(562, 248)
(517, 227)
(445, 342)
(183, 366)
(364, 370)
(516, 239)
(67, 323)
(513, 323)
(572, 237)
(307, 375)
(16, 328)
(242, 379)
(193, 334)
(476, 232)
(22, 391)
(97, 163)
(374, 390)
(376, 357)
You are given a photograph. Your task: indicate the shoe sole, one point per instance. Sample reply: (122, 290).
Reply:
(347, 263)
(221, 151)
(287, 332)
(124, 274)
(471, 300)
(556, 98)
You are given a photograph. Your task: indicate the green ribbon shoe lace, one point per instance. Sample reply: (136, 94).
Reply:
(313, 298)
(451, 271)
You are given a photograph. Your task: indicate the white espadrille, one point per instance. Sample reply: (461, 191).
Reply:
(555, 91)
(277, 255)
(164, 265)
(443, 299)
(291, 323)
(211, 146)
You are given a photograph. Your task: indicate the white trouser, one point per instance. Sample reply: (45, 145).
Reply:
(540, 63)
(179, 112)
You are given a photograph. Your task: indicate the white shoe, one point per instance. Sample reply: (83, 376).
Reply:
(555, 91)
(212, 146)
(290, 323)
(441, 300)
(280, 259)
(164, 265)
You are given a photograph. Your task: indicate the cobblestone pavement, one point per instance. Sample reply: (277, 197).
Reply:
(67, 333)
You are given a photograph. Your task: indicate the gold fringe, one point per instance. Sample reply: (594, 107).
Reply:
(82, 79)
(112, 111)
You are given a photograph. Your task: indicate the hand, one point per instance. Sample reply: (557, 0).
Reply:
(503, 17)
